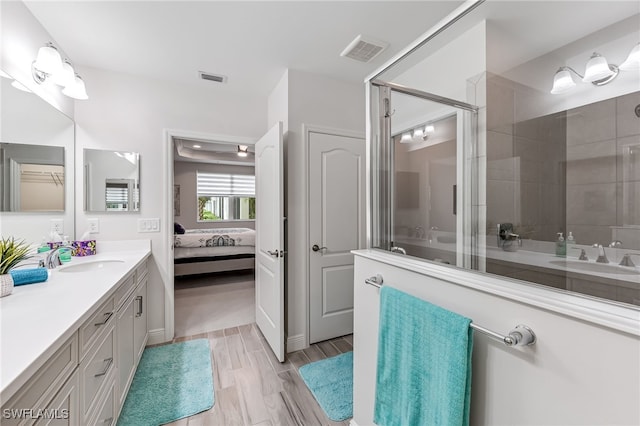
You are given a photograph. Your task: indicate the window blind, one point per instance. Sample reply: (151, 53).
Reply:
(222, 184)
(117, 194)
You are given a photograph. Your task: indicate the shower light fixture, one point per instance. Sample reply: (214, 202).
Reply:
(243, 150)
(49, 64)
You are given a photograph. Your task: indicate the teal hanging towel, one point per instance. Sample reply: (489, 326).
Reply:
(424, 363)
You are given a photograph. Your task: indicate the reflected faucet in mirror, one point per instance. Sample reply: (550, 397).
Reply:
(507, 240)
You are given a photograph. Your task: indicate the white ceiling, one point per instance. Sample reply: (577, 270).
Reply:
(250, 42)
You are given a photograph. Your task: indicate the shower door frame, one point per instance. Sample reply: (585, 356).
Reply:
(467, 221)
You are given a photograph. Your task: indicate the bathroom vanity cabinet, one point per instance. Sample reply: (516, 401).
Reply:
(85, 380)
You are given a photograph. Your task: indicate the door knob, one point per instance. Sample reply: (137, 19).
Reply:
(317, 248)
(274, 253)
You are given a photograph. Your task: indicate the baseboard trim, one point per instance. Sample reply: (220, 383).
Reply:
(296, 343)
(156, 337)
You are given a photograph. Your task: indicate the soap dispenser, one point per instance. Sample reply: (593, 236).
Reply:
(561, 245)
(570, 240)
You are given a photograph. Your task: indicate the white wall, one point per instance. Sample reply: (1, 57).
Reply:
(578, 372)
(311, 99)
(185, 176)
(128, 113)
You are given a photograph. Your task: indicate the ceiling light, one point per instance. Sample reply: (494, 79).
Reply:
(76, 90)
(429, 128)
(598, 69)
(406, 138)
(20, 86)
(243, 150)
(633, 60)
(562, 81)
(197, 146)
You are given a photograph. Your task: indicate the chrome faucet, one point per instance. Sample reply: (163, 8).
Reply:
(53, 257)
(615, 244)
(626, 260)
(602, 256)
(419, 232)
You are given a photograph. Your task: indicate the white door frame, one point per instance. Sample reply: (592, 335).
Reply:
(306, 130)
(167, 212)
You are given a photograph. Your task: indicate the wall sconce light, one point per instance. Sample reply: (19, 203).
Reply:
(243, 150)
(49, 64)
(597, 71)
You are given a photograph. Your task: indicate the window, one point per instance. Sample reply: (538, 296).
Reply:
(224, 196)
(121, 195)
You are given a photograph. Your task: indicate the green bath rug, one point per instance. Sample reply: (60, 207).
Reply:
(172, 382)
(331, 383)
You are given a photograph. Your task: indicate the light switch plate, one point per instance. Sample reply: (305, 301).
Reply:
(57, 225)
(149, 225)
(94, 226)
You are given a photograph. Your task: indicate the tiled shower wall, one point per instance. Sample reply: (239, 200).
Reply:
(525, 164)
(603, 171)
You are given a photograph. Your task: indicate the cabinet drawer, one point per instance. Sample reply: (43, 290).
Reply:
(43, 385)
(63, 410)
(141, 272)
(106, 409)
(123, 291)
(91, 330)
(96, 369)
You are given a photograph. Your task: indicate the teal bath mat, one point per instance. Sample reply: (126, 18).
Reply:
(331, 382)
(172, 382)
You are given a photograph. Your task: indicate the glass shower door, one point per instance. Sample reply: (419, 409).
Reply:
(422, 180)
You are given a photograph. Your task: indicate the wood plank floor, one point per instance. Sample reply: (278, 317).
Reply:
(253, 388)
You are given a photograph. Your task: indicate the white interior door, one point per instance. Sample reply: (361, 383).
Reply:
(336, 226)
(270, 239)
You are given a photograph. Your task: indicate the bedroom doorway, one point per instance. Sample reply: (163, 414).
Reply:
(212, 262)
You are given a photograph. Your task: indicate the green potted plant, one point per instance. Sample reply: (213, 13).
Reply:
(12, 252)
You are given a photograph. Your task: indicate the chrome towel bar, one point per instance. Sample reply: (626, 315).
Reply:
(521, 335)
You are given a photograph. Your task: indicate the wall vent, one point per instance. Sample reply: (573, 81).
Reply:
(364, 49)
(212, 77)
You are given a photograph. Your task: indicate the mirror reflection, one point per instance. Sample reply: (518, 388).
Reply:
(32, 178)
(111, 180)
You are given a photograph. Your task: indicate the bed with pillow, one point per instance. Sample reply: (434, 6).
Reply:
(201, 251)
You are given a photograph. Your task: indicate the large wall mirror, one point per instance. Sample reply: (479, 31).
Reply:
(111, 181)
(36, 165)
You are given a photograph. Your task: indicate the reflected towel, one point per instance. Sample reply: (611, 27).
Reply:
(424, 363)
(29, 276)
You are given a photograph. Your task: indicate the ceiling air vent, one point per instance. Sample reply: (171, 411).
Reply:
(364, 48)
(212, 77)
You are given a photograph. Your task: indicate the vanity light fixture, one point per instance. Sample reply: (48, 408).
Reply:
(49, 64)
(597, 71)
(197, 146)
(406, 138)
(429, 128)
(243, 150)
(632, 62)
(418, 132)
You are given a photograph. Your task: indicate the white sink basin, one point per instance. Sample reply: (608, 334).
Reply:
(603, 268)
(94, 265)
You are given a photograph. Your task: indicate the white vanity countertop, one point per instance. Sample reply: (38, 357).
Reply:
(36, 319)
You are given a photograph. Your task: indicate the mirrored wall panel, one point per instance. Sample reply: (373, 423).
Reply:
(111, 181)
(36, 165)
